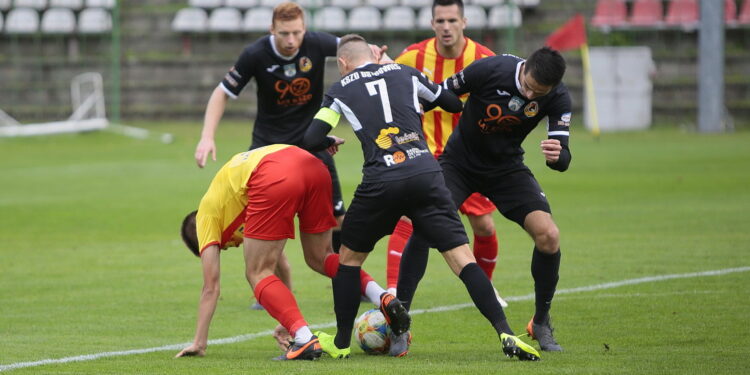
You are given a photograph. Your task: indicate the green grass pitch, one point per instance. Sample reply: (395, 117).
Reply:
(91, 262)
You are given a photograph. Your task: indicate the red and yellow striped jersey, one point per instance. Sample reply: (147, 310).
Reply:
(438, 124)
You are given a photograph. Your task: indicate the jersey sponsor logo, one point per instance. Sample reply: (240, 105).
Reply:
(292, 93)
(305, 64)
(271, 68)
(565, 117)
(495, 121)
(531, 109)
(290, 70)
(232, 76)
(503, 93)
(417, 152)
(388, 137)
(397, 157)
(515, 103)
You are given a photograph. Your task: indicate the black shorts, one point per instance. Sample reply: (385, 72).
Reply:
(424, 198)
(337, 199)
(516, 193)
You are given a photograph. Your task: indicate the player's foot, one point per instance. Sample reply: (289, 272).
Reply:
(400, 344)
(326, 343)
(310, 350)
(256, 306)
(500, 299)
(543, 334)
(395, 313)
(513, 346)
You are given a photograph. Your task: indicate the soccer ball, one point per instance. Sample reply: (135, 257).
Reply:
(373, 333)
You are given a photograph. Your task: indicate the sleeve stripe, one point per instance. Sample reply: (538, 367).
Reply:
(559, 132)
(226, 90)
(425, 93)
(328, 116)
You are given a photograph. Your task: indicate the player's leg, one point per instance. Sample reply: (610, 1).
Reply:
(520, 199)
(441, 225)
(478, 209)
(396, 244)
(261, 257)
(337, 198)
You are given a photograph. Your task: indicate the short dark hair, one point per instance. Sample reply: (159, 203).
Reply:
(445, 3)
(189, 233)
(546, 66)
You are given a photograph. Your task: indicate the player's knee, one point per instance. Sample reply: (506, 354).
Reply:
(484, 226)
(548, 239)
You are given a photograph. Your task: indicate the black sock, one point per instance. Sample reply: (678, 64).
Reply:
(345, 303)
(411, 269)
(545, 268)
(336, 240)
(481, 292)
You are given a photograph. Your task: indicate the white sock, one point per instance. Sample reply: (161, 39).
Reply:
(392, 291)
(373, 292)
(302, 335)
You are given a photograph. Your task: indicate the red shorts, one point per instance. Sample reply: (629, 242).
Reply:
(477, 205)
(288, 182)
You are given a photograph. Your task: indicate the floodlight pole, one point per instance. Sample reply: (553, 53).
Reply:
(115, 61)
(711, 67)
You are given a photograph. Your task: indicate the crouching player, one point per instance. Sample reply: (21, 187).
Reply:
(252, 201)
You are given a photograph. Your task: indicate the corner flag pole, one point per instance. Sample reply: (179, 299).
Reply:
(590, 95)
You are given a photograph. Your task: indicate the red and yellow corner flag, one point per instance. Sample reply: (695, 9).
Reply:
(570, 36)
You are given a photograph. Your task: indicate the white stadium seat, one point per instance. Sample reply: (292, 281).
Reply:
(33, 4)
(270, 3)
(504, 16)
(22, 21)
(94, 21)
(5, 4)
(424, 18)
(485, 3)
(206, 4)
(225, 20)
(193, 20)
(330, 19)
(70, 4)
(241, 4)
(107, 4)
(527, 3)
(346, 4)
(476, 17)
(381, 4)
(399, 18)
(417, 3)
(58, 21)
(257, 20)
(364, 19)
(1, 22)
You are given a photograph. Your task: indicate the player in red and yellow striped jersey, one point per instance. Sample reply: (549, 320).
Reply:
(252, 201)
(438, 58)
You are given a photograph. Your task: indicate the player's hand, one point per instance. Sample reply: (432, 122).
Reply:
(205, 146)
(551, 149)
(192, 351)
(334, 148)
(282, 337)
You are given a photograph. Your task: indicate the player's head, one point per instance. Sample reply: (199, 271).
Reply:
(353, 51)
(190, 234)
(542, 71)
(448, 22)
(288, 28)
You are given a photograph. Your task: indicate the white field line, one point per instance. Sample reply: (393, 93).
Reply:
(251, 336)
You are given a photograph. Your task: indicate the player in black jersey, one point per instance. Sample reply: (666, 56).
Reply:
(383, 103)
(509, 96)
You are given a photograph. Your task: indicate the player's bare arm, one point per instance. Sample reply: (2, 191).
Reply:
(214, 111)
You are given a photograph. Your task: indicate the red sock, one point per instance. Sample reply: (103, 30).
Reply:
(396, 245)
(485, 251)
(278, 300)
(331, 267)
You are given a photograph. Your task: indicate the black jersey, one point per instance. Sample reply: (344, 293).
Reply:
(382, 104)
(289, 90)
(497, 118)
